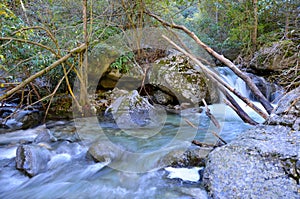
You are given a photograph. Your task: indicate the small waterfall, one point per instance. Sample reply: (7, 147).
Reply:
(271, 91)
(234, 81)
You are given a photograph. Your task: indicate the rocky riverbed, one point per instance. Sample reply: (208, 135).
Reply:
(263, 162)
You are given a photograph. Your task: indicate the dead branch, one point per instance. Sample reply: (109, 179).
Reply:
(261, 98)
(190, 123)
(211, 116)
(40, 73)
(217, 78)
(217, 135)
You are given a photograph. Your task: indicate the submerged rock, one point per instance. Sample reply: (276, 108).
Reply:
(32, 159)
(104, 151)
(261, 163)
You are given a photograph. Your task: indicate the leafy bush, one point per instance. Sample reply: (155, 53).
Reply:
(124, 62)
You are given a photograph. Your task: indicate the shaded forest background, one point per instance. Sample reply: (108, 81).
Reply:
(37, 33)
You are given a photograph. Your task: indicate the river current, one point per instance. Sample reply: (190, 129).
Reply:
(70, 174)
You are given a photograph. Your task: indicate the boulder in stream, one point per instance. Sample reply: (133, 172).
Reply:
(132, 111)
(104, 151)
(32, 159)
(263, 162)
(176, 75)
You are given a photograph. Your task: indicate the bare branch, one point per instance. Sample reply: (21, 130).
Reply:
(211, 116)
(40, 73)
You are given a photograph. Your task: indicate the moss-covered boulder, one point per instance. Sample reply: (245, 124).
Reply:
(276, 56)
(175, 74)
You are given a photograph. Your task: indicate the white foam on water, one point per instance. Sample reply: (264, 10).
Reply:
(185, 174)
(7, 153)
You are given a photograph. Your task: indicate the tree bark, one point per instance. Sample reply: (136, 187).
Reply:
(83, 98)
(255, 24)
(261, 98)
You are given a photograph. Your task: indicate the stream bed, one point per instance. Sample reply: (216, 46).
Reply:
(70, 174)
(138, 173)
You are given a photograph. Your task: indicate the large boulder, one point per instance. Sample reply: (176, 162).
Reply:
(261, 163)
(176, 74)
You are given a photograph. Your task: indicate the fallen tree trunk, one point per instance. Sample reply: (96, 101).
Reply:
(40, 73)
(218, 79)
(236, 107)
(260, 97)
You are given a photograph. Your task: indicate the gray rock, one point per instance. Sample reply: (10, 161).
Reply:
(32, 159)
(176, 74)
(287, 112)
(104, 151)
(44, 136)
(132, 111)
(261, 163)
(64, 133)
(192, 157)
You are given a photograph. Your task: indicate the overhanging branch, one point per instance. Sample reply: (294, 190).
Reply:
(40, 73)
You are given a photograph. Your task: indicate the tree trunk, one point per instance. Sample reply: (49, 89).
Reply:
(261, 98)
(83, 99)
(255, 24)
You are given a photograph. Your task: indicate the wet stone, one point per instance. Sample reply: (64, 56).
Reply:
(32, 159)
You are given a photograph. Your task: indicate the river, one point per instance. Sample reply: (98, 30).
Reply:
(71, 174)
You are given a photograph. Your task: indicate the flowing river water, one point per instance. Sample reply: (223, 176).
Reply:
(70, 174)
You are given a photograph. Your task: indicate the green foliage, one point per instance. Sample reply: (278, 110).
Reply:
(124, 62)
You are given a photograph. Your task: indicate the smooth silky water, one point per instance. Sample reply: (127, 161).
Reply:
(138, 174)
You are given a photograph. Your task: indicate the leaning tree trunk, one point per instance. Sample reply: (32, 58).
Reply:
(260, 97)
